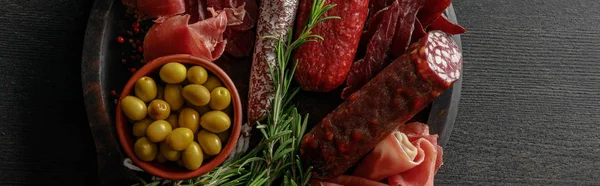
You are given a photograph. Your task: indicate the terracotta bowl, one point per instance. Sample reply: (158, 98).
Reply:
(169, 171)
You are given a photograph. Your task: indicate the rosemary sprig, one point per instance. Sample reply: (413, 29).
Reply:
(275, 158)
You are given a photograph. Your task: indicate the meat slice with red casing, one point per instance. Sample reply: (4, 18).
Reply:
(377, 52)
(324, 65)
(174, 36)
(391, 98)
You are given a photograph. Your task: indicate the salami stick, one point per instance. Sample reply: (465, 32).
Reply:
(395, 95)
(275, 18)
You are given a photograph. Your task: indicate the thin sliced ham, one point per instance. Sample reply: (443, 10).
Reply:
(160, 8)
(175, 36)
(395, 153)
(345, 180)
(422, 174)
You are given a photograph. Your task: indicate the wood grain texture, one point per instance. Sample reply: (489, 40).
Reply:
(529, 108)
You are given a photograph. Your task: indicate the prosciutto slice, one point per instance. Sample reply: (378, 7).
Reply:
(175, 36)
(159, 8)
(345, 180)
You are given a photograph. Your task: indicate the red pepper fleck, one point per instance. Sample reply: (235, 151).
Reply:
(341, 146)
(132, 70)
(113, 93)
(135, 25)
(140, 49)
(328, 135)
(136, 30)
(120, 39)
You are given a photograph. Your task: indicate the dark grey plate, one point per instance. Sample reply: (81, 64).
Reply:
(102, 72)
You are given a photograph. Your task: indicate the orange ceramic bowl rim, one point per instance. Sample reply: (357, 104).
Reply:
(124, 128)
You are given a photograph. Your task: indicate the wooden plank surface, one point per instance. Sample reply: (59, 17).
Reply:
(531, 89)
(528, 114)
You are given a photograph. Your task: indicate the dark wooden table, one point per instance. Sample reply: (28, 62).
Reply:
(529, 112)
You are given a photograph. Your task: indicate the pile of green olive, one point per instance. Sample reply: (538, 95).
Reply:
(185, 118)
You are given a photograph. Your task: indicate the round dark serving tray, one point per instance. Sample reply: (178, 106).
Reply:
(101, 72)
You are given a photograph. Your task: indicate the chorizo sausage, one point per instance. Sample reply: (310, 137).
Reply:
(396, 94)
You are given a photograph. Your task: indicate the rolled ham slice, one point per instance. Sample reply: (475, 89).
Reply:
(175, 36)
(407, 157)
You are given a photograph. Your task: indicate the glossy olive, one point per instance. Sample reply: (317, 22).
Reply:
(210, 142)
(134, 108)
(139, 127)
(160, 158)
(173, 96)
(159, 109)
(203, 109)
(212, 82)
(145, 89)
(224, 136)
(215, 121)
(173, 119)
(180, 138)
(189, 118)
(219, 98)
(160, 92)
(158, 131)
(173, 73)
(192, 156)
(145, 150)
(197, 75)
(196, 94)
(168, 153)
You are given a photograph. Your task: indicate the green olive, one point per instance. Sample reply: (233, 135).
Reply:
(210, 142)
(173, 96)
(160, 158)
(219, 98)
(173, 120)
(224, 136)
(196, 94)
(134, 108)
(197, 75)
(145, 150)
(180, 138)
(160, 92)
(203, 109)
(192, 156)
(168, 153)
(212, 82)
(159, 109)
(158, 131)
(145, 89)
(173, 73)
(139, 127)
(215, 121)
(189, 118)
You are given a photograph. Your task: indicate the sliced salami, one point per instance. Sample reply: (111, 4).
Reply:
(405, 26)
(275, 18)
(377, 53)
(385, 103)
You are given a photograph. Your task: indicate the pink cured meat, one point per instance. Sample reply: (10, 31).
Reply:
(401, 154)
(345, 180)
(377, 51)
(276, 17)
(393, 96)
(242, 14)
(432, 154)
(405, 26)
(377, 5)
(441, 23)
(324, 65)
(174, 36)
(160, 8)
(432, 9)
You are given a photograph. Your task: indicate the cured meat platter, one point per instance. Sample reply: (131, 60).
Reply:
(103, 75)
